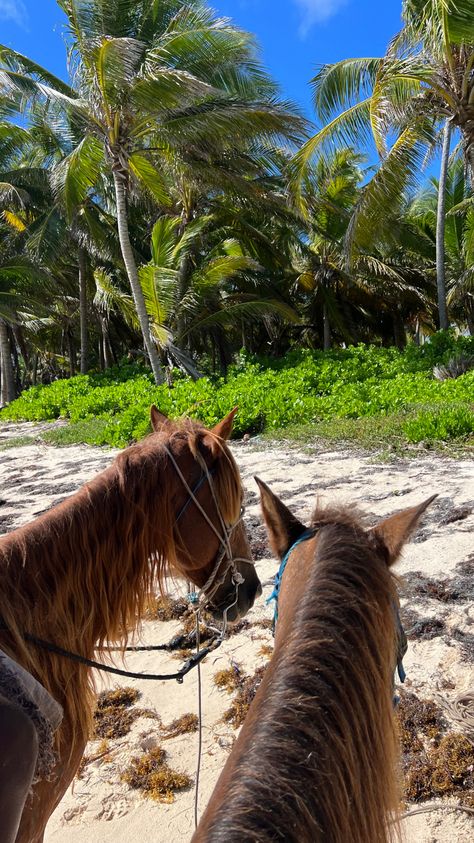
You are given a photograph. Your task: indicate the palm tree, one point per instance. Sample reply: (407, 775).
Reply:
(379, 290)
(14, 140)
(225, 289)
(459, 236)
(151, 82)
(329, 193)
(63, 230)
(22, 286)
(405, 101)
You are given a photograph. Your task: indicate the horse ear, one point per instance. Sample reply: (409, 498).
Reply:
(395, 530)
(224, 427)
(157, 419)
(283, 527)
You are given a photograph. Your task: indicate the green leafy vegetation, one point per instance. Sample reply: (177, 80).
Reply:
(392, 392)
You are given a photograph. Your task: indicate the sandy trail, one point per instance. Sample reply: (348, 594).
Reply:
(99, 807)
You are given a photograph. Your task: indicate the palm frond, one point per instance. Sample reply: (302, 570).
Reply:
(233, 312)
(76, 176)
(151, 178)
(338, 86)
(109, 297)
(17, 62)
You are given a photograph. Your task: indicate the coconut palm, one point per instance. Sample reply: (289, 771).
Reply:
(405, 102)
(329, 193)
(381, 289)
(16, 188)
(225, 289)
(459, 236)
(22, 287)
(150, 82)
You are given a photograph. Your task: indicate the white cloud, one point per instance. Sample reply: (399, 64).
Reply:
(316, 11)
(15, 11)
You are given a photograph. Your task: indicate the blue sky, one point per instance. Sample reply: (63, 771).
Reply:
(295, 35)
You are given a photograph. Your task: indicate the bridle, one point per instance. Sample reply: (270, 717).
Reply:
(305, 536)
(224, 553)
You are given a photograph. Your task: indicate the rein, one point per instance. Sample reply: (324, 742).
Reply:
(193, 661)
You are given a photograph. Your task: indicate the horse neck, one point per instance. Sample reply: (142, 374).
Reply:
(316, 756)
(78, 572)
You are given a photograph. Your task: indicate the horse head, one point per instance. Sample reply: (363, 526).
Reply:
(285, 530)
(386, 539)
(210, 541)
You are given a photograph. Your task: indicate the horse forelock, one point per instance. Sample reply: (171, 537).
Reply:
(80, 575)
(318, 757)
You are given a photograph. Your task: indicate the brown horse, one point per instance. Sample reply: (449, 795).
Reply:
(316, 759)
(80, 574)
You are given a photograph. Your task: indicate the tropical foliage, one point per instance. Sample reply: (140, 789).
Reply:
(407, 103)
(164, 207)
(306, 387)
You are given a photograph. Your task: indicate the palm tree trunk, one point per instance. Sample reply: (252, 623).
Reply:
(15, 358)
(399, 333)
(20, 340)
(82, 266)
(326, 329)
(106, 347)
(417, 333)
(7, 374)
(101, 355)
(34, 369)
(132, 273)
(440, 226)
(71, 352)
(184, 272)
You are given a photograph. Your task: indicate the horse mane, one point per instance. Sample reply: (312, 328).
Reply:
(81, 573)
(319, 760)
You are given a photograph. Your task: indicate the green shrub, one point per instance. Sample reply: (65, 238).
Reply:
(440, 424)
(303, 388)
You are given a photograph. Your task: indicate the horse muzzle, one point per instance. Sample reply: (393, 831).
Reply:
(238, 598)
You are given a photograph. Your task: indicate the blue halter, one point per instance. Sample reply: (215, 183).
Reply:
(308, 534)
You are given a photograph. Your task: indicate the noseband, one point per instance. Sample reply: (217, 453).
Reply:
(214, 582)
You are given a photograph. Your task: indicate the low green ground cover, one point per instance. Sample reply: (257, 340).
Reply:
(359, 388)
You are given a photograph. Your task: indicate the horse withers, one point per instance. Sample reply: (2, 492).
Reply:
(80, 575)
(317, 758)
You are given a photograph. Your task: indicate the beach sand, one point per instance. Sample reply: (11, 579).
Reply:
(99, 806)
